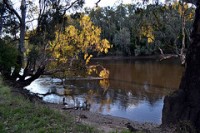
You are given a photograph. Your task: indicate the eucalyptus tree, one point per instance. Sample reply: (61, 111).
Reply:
(50, 16)
(163, 28)
(122, 40)
(152, 29)
(44, 6)
(185, 16)
(105, 18)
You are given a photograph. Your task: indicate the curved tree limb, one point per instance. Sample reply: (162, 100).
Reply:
(12, 10)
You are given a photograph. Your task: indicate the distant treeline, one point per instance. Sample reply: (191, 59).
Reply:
(136, 30)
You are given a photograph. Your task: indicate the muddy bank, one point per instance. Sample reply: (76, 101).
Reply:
(107, 123)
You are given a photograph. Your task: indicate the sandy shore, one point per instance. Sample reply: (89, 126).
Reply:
(107, 123)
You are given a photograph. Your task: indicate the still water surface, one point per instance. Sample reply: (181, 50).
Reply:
(135, 89)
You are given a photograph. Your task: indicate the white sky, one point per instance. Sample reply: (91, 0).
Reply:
(91, 3)
(102, 3)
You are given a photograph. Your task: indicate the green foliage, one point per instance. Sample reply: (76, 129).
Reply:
(122, 41)
(8, 56)
(131, 28)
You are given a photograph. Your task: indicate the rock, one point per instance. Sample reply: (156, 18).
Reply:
(131, 128)
(83, 116)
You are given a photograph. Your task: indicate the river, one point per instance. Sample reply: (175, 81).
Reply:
(135, 89)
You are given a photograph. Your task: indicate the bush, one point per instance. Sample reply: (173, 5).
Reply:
(144, 50)
(8, 56)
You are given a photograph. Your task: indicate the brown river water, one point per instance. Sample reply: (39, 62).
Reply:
(135, 89)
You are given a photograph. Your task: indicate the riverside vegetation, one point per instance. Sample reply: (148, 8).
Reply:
(17, 114)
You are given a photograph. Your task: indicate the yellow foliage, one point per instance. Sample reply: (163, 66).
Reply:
(147, 31)
(88, 59)
(73, 41)
(104, 74)
(182, 8)
(92, 69)
(104, 84)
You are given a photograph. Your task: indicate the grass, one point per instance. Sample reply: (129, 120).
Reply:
(18, 115)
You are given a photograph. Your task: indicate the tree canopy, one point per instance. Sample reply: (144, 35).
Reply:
(134, 30)
(54, 45)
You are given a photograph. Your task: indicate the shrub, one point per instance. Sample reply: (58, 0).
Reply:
(8, 56)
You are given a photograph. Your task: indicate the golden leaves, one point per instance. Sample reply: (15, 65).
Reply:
(104, 74)
(87, 58)
(90, 38)
(105, 45)
(147, 31)
(75, 41)
(105, 84)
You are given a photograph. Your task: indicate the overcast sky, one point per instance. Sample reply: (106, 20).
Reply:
(91, 3)
(102, 3)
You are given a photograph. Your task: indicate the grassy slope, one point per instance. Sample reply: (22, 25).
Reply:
(19, 115)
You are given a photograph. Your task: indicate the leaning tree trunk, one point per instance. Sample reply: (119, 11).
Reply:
(22, 26)
(184, 104)
(21, 48)
(1, 17)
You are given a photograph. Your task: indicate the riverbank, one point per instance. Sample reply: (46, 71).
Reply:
(18, 114)
(153, 57)
(108, 123)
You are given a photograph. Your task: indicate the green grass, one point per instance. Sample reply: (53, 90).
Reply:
(18, 115)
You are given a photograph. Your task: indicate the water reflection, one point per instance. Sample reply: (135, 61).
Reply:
(135, 89)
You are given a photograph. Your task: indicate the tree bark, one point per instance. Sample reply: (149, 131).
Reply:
(184, 104)
(182, 54)
(22, 19)
(22, 26)
(1, 17)
(39, 72)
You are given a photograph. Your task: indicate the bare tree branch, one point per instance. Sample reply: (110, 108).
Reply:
(97, 3)
(31, 20)
(70, 6)
(42, 8)
(12, 10)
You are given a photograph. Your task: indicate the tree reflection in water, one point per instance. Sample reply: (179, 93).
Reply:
(134, 90)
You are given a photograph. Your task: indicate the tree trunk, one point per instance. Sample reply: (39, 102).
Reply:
(20, 58)
(22, 26)
(182, 54)
(1, 17)
(184, 104)
(39, 72)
